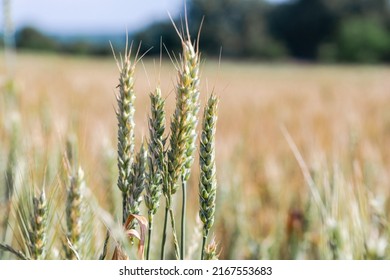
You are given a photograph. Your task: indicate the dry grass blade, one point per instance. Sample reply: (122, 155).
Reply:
(305, 171)
(132, 233)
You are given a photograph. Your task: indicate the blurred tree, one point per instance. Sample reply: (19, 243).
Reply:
(31, 38)
(302, 25)
(237, 26)
(151, 38)
(363, 40)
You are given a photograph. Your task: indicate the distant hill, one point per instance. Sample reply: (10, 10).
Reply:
(85, 44)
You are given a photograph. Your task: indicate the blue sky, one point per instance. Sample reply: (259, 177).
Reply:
(91, 16)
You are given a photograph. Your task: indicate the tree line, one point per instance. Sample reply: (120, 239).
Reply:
(313, 30)
(310, 30)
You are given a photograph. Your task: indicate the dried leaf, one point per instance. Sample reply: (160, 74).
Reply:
(132, 233)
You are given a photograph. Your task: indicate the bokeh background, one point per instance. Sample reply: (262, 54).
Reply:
(304, 113)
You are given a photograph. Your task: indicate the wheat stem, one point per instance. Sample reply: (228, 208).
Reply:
(204, 239)
(164, 235)
(183, 218)
(175, 241)
(150, 228)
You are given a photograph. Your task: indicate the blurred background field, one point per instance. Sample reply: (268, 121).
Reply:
(289, 130)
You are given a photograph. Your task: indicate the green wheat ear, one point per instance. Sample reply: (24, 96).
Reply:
(74, 201)
(156, 159)
(38, 227)
(138, 181)
(125, 117)
(156, 156)
(207, 180)
(74, 210)
(183, 130)
(185, 118)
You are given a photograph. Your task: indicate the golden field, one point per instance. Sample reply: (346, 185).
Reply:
(338, 118)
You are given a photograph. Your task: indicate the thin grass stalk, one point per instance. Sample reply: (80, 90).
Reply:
(175, 241)
(183, 218)
(9, 39)
(105, 245)
(164, 234)
(150, 228)
(168, 211)
(9, 182)
(204, 240)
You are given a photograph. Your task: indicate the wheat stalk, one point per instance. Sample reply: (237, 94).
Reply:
(38, 223)
(183, 125)
(125, 116)
(74, 201)
(156, 159)
(184, 121)
(74, 209)
(207, 180)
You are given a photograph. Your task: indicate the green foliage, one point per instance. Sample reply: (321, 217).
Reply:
(31, 38)
(363, 40)
(302, 26)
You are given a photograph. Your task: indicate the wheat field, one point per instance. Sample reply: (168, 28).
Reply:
(302, 152)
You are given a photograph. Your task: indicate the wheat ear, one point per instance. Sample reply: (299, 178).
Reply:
(38, 235)
(183, 127)
(74, 209)
(138, 181)
(207, 180)
(156, 159)
(125, 116)
(74, 201)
